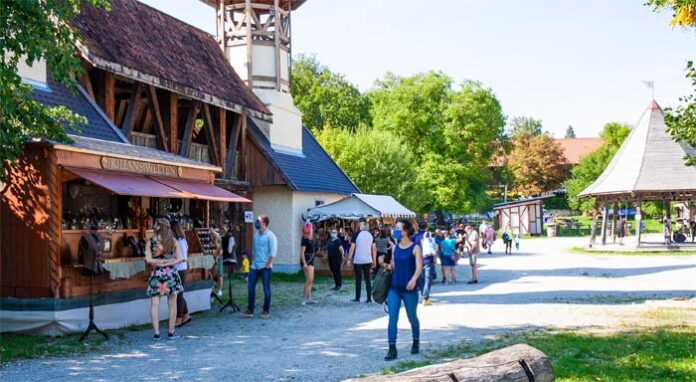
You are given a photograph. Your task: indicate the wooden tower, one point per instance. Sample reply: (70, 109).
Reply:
(255, 36)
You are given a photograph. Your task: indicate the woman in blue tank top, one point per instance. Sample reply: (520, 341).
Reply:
(406, 264)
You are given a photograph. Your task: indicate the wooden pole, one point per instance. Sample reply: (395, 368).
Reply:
(110, 96)
(173, 121)
(277, 17)
(639, 217)
(243, 150)
(605, 215)
(613, 222)
(222, 131)
(249, 21)
(593, 234)
(221, 25)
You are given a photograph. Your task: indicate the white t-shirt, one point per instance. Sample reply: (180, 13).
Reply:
(183, 247)
(483, 227)
(363, 247)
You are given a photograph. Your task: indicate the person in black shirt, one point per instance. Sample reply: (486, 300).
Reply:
(307, 261)
(335, 252)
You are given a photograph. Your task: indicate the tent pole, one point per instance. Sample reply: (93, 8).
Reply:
(613, 222)
(639, 201)
(605, 215)
(593, 234)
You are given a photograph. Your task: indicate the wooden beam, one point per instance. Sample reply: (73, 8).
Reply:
(157, 116)
(110, 95)
(605, 215)
(277, 43)
(614, 216)
(222, 131)
(249, 13)
(210, 136)
(639, 217)
(132, 112)
(173, 121)
(188, 129)
(243, 149)
(230, 162)
(86, 83)
(121, 112)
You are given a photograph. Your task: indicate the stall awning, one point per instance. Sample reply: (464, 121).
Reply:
(356, 206)
(203, 191)
(128, 184)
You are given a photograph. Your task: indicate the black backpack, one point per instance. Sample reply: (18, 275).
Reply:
(381, 285)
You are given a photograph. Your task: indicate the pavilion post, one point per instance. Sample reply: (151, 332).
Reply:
(613, 222)
(639, 217)
(593, 234)
(605, 215)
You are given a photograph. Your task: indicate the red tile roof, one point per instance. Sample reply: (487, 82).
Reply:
(576, 148)
(139, 42)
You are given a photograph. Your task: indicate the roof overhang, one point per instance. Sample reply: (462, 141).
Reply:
(172, 86)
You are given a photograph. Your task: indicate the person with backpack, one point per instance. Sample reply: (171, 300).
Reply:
(407, 265)
(507, 240)
(426, 241)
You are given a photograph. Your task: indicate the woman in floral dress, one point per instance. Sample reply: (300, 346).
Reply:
(162, 253)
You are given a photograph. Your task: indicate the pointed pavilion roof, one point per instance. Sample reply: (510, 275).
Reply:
(649, 162)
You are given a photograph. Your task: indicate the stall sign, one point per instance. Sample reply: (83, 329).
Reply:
(149, 168)
(248, 216)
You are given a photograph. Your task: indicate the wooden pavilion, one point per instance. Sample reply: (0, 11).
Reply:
(649, 166)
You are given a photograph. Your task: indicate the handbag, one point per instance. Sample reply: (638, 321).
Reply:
(381, 285)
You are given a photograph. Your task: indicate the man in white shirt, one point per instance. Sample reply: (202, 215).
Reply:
(363, 252)
(472, 244)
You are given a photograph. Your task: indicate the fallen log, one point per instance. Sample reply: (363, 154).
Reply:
(518, 363)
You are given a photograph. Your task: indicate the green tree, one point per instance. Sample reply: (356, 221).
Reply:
(570, 132)
(33, 31)
(451, 130)
(525, 126)
(593, 164)
(376, 160)
(325, 98)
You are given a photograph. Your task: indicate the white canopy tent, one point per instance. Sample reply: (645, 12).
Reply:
(358, 206)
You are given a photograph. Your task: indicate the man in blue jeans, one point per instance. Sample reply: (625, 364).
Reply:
(265, 247)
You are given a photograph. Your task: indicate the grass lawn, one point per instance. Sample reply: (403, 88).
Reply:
(651, 226)
(287, 291)
(666, 352)
(632, 253)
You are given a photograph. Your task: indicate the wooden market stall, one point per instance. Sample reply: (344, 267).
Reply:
(56, 191)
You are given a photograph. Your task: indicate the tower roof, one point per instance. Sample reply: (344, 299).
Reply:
(649, 162)
(283, 3)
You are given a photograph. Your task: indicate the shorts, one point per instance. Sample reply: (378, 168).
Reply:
(472, 258)
(447, 261)
(309, 259)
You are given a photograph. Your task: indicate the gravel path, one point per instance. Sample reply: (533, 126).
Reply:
(541, 287)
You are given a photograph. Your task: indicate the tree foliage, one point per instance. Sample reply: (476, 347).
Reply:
(684, 11)
(536, 162)
(452, 131)
(521, 125)
(593, 164)
(33, 31)
(376, 160)
(325, 98)
(681, 122)
(570, 132)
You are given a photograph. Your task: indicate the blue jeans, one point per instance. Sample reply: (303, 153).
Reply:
(410, 299)
(265, 275)
(428, 276)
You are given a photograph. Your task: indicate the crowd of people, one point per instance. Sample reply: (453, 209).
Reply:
(409, 252)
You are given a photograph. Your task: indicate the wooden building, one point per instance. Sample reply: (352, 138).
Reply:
(523, 216)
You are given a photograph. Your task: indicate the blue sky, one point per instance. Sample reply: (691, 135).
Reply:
(564, 62)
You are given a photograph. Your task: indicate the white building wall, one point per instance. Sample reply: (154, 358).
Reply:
(285, 209)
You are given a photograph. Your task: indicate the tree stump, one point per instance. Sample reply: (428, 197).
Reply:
(518, 363)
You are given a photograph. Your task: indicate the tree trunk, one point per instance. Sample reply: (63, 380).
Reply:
(515, 363)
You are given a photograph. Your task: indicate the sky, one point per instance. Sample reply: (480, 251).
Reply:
(578, 63)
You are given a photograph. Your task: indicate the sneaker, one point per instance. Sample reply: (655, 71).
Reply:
(426, 302)
(303, 303)
(265, 314)
(172, 336)
(155, 337)
(219, 292)
(247, 313)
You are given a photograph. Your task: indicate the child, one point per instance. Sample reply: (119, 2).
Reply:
(245, 267)
(517, 241)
